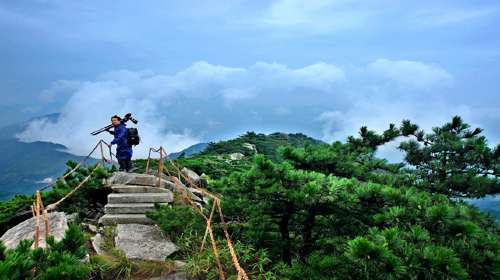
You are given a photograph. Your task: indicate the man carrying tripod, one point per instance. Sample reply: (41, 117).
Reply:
(123, 148)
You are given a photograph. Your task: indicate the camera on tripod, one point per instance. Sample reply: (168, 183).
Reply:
(126, 118)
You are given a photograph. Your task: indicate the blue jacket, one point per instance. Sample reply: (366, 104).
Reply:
(123, 149)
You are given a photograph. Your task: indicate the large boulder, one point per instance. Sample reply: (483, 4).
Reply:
(143, 242)
(250, 146)
(58, 224)
(197, 180)
(191, 175)
(236, 156)
(181, 188)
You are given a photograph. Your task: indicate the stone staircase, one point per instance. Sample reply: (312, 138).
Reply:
(133, 195)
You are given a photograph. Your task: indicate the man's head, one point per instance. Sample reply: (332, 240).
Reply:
(115, 120)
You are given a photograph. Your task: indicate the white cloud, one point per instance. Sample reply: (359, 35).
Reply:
(47, 180)
(59, 90)
(237, 94)
(174, 110)
(207, 102)
(315, 16)
(334, 123)
(281, 111)
(411, 73)
(439, 17)
(331, 16)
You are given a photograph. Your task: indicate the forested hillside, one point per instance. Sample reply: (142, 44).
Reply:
(24, 166)
(335, 211)
(266, 145)
(297, 208)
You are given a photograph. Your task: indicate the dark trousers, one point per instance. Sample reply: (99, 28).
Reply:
(125, 164)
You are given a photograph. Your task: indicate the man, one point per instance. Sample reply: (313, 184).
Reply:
(123, 149)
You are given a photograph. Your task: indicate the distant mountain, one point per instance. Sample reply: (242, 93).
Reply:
(490, 204)
(25, 167)
(14, 113)
(264, 144)
(189, 151)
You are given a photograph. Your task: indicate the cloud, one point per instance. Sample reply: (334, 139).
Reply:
(47, 180)
(11, 17)
(198, 103)
(411, 73)
(450, 15)
(315, 16)
(208, 102)
(324, 17)
(334, 122)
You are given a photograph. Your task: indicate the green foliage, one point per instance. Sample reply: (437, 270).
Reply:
(277, 202)
(265, 144)
(347, 160)
(9, 208)
(453, 159)
(214, 166)
(186, 228)
(25, 163)
(61, 260)
(175, 220)
(362, 230)
(336, 211)
(311, 210)
(85, 198)
(202, 265)
(88, 196)
(113, 265)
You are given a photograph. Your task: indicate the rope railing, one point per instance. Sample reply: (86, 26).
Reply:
(38, 208)
(82, 162)
(216, 203)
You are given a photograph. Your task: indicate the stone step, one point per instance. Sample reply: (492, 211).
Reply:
(135, 179)
(115, 198)
(137, 189)
(129, 208)
(112, 219)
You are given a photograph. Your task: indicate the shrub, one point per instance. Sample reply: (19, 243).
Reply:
(61, 260)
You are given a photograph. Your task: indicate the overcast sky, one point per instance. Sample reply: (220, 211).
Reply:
(196, 71)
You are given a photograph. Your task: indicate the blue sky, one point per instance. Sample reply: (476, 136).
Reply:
(205, 70)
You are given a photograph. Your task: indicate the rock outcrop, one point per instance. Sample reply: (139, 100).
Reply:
(193, 177)
(250, 146)
(143, 242)
(58, 225)
(98, 243)
(236, 156)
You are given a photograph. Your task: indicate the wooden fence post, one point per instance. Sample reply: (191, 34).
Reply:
(160, 166)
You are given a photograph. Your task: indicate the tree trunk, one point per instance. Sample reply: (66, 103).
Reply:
(285, 236)
(306, 248)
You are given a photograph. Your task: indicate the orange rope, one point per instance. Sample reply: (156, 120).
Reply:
(81, 163)
(37, 208)
(187, 198)
(54, 205)
(241, 272)
(209, 220)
